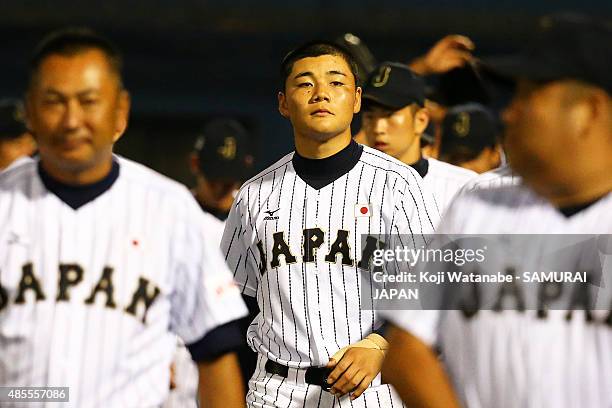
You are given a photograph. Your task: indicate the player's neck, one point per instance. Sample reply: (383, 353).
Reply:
(221, 204)
(311, 148)
(412, 154)
(578, 190)
(78, 177)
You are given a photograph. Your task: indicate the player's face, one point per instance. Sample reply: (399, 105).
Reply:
(394, 132)
(538, 132)
(76, 110)
(320, 97)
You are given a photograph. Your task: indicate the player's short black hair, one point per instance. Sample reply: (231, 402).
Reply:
(315, 49)
(72, 41)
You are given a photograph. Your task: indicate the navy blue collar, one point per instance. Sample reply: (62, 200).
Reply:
(570, 211)
(421, 166)
(77, 196)
(318, 173)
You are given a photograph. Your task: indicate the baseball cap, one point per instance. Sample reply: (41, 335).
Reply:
(395, 86)
(365, 60)
(12, 122)
(567, 46)
(458, 86)
(470, 125)
(223, 150)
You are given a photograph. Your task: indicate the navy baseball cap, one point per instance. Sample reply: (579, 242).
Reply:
(471, 126)
(12, 119)
(566, 47)
(223, 149)
(395, 86)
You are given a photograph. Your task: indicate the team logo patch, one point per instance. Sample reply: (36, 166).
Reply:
(462, 125)
(271, 216)
(381, 77)
(362, 210)
(228, 150)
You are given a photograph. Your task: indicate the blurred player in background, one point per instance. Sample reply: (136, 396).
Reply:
(558, 139)
(220, 162)
(470, 138)
(16, 144)
(394, 120)
(102, 260)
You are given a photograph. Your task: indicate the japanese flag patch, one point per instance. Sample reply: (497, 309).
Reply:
(363, 210)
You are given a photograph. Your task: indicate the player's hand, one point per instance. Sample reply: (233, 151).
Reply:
(355, 370)
(452, 51)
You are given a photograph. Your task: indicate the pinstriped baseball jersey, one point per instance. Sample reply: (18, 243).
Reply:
(186, 375)
(298, 249)
(445, 181)
(512, 358)
(89, 296)
(501, 176)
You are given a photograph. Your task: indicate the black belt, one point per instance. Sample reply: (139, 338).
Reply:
(314, 375)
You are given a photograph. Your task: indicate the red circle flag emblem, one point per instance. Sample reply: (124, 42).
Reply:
(362, 210)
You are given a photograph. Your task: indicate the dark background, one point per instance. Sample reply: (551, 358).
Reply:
(187, 60)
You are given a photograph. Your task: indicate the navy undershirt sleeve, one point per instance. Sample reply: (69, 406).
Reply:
(221, 340)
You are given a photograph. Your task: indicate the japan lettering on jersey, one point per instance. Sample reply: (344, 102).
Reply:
(87, 296)
(510, 358)
(299, 251)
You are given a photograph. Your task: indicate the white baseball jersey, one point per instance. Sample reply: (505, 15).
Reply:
(517, 359)
(90, 296)
(186, 375)
(501, 176)
(17, 162)
(446, 180)
(298, 249)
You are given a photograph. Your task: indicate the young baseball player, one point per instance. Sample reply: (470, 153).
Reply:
(294, 240)
(470, 138)
(394, 120)
(102, 259)
(537, 358)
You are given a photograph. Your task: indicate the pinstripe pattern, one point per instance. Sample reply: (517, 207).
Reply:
(445, 180)
(145, 226)
(315, 308)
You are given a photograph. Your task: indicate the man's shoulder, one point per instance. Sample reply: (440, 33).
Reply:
(501, 176)
(140, 175)
(389, 164)
(270, 174)
(449, 171)
(510, 197)
(18, 174)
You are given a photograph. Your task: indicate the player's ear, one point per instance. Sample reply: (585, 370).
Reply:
(123, 112)
(585, 111)
(421, 120)
(282, 104)
(357, 103)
